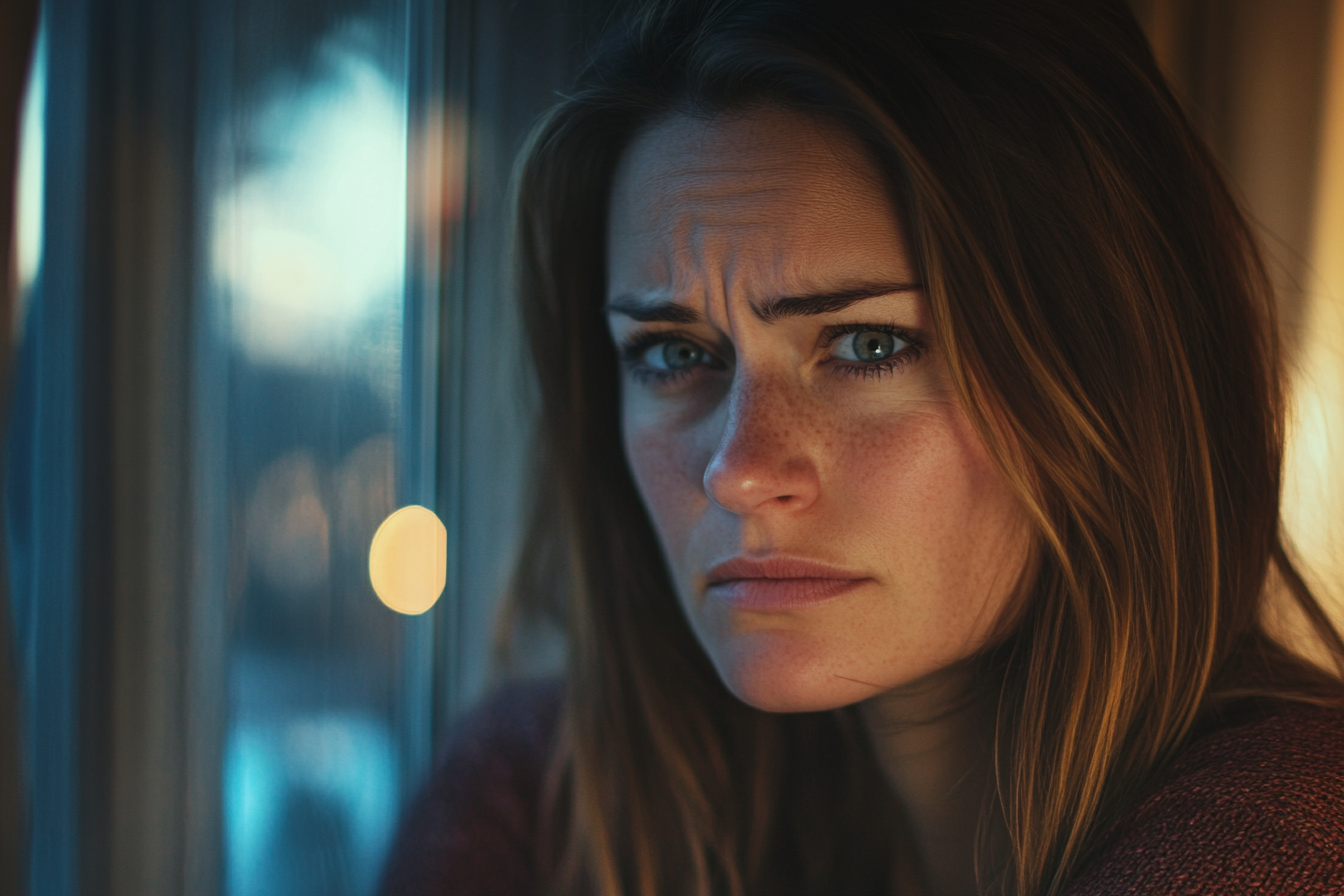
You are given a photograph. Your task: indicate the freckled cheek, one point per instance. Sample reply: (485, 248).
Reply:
(947, 526)
(883, 457)
(915, 475)
(668, 466)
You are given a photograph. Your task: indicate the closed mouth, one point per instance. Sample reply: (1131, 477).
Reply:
(778, 583)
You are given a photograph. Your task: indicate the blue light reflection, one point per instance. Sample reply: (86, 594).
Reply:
(309, 801)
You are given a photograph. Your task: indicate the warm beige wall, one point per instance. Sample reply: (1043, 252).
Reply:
(1264, 81)
(1251, 72)
(1314, 497)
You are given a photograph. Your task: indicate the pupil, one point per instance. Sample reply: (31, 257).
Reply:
(873, 346)
(680, 355)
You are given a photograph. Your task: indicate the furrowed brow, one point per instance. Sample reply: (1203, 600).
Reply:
(650, 312)
(771, 311)
(826, 303)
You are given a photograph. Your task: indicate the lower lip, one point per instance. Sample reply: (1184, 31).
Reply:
(765, 595)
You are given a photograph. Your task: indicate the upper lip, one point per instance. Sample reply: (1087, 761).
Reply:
(775, 568)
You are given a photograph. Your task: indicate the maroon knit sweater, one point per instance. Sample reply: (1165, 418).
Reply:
(1252, 808)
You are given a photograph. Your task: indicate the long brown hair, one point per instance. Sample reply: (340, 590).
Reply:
(1101, 303)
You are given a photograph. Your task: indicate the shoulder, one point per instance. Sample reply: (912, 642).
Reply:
(1258, 806)
(474, 823)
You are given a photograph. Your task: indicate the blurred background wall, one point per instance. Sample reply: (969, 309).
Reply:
(1264, 82)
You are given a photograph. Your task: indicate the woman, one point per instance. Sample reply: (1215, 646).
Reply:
(917, 534)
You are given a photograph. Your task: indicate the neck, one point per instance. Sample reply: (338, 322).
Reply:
(934, 742)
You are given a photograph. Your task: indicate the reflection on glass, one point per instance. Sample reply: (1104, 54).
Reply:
(294, 789)
(288, 530)
(312, 242)
(307, 258)
(28, 204)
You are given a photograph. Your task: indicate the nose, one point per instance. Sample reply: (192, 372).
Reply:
(762, 462)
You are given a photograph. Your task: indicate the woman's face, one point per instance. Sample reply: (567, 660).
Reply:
(833, 524)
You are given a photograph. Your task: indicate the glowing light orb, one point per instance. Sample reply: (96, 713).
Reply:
(408, 560)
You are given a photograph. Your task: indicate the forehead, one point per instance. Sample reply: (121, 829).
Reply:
(764, 202)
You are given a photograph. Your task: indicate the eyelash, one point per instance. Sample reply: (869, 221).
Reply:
(915, 348)
(637, 345)
(633, 348)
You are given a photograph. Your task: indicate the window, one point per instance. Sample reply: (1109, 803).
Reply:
(269, 308)
(305, 311)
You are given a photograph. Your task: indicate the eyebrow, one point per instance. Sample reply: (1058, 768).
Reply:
(771, 311)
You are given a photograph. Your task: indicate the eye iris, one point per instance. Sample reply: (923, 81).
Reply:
(873, 345)
(680, 355)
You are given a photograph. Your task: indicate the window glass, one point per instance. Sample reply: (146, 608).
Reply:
(28, 205)
(307, 246)
(267, 310)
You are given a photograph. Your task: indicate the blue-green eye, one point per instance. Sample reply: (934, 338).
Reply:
(868, 346)
(676, 354)
(664, 357)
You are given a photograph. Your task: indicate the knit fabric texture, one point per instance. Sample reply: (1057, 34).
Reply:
(1254, 808)
(473, 829)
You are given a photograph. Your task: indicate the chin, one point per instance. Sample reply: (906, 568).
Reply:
(774, 673)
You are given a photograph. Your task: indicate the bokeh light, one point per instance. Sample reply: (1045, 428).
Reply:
(408, 560)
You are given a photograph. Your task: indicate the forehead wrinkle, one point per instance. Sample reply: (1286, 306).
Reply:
(714, 226)
(703, 265)
(669, 212)
(711, 146)
(693, 173)
(717, 279)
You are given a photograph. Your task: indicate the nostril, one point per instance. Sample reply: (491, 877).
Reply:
(759, 464)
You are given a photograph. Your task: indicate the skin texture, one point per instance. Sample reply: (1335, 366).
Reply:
(774, 440)
(777, 445)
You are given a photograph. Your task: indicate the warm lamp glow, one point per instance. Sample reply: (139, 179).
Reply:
(408, 560)
(1313, 483)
